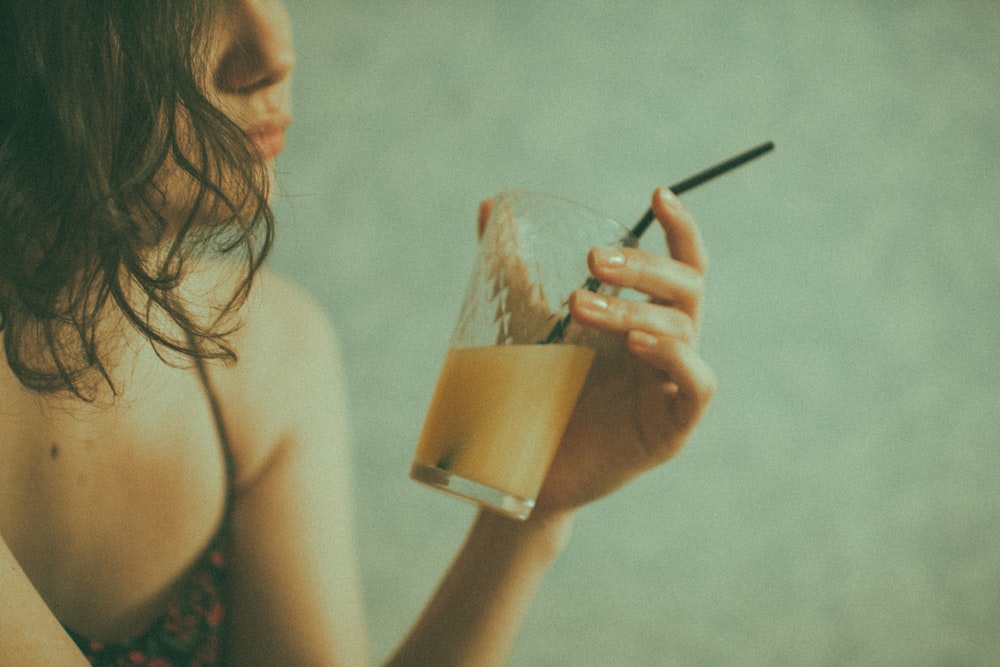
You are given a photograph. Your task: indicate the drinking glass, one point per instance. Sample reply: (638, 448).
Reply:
(516, 362)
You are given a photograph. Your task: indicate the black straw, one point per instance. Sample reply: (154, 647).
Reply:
(592, 284)
(706, 175)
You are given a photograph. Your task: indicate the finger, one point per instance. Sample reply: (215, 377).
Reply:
(620, 316)
(683, 238)
(485, 208)
(691, 381)
(664, 280)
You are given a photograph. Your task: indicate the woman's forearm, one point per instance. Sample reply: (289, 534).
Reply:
(29, 633)
(477, 610)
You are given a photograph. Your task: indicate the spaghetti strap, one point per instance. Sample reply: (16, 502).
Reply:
(220, 422)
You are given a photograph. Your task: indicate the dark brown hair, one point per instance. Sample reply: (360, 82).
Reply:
(100, 98)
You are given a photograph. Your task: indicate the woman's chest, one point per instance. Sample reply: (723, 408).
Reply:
(106, 509)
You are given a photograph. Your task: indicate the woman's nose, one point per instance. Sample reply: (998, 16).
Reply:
(259, 52)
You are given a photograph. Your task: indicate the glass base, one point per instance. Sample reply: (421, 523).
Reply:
(487, 496)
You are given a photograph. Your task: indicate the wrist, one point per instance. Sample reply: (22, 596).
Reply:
(543, 534)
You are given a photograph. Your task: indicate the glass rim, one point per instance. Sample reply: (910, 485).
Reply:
(512, 193)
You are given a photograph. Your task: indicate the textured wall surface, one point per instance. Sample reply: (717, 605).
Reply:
(840, 504)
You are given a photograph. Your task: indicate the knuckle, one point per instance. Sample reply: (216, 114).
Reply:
(626, 312)
(709, 385)
(705, 385)
(696, 281)
(687, 331)
(678, 325)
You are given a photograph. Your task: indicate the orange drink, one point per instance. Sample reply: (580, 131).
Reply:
(496, 418)
(517, 361)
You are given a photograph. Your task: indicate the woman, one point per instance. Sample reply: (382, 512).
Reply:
(173, 443)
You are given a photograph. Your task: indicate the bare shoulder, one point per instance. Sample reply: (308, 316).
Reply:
(287, 384)
(285, 406)
(283, 322)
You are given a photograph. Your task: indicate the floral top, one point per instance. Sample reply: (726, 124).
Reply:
(188, 633)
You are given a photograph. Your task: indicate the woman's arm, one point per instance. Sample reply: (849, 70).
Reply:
(295, 589)
(298, 599)
(296, 596)
(646, 392)
(29, 634)
(477, 610)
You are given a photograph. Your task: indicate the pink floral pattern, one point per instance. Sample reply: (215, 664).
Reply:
(188, 634)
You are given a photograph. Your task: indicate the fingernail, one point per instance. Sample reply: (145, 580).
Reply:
(609, 258)
(668, 197)
(592, 301)
(641, 340)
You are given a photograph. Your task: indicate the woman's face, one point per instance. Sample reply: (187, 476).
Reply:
(250, 62)
(245, 73)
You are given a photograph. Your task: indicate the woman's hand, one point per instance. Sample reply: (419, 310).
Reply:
(645, 392)
(648, 386)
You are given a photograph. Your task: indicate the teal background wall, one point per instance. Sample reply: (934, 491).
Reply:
(840, 503)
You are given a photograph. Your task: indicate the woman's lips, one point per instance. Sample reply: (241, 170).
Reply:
(269, 136)
(270, 144)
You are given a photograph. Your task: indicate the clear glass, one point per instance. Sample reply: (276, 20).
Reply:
(516, 362)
